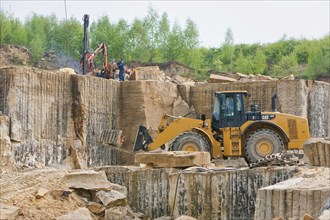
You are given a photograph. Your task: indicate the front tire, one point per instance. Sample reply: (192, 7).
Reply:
(261, 143)
(190, 141)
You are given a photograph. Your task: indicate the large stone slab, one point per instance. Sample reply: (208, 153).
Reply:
(173, 158)
(293, 198)
(89, 180)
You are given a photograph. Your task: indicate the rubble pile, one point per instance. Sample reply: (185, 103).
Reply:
(14, 55)
(102, 198)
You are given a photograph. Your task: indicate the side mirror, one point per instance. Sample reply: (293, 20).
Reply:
(203, 117)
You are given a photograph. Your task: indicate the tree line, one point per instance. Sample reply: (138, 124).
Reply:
(154, 39)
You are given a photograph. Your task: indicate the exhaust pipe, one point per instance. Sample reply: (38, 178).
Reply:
(274, 103)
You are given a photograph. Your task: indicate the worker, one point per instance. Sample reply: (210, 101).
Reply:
(121, 69)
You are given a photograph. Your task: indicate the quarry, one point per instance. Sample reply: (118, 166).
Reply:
(56, 160)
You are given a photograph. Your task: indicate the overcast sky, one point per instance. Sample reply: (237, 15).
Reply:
(250, 21)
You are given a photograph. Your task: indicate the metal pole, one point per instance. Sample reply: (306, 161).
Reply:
(86, 24)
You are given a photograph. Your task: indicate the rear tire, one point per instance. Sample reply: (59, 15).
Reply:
(262, 143)
(190, 141)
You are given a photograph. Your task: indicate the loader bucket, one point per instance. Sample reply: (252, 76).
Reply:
(142, 139)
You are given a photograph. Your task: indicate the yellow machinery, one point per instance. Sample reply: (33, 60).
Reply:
(232, 131)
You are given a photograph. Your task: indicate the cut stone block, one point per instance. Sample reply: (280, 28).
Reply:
(147, 73)
(8, 212)
(294, 198)
(174, 159)
(317, 152)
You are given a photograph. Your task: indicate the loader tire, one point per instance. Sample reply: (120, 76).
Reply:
(190, 141)
(262, 143)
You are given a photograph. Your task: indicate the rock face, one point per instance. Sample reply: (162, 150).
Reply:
(62, 118)
(213, 194)
(57, 118)
(319, 109)
(6, 152)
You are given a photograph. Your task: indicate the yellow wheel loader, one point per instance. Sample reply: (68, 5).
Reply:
(232, 132)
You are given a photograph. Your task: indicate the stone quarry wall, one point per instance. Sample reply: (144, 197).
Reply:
(57, 118)
(217, 194)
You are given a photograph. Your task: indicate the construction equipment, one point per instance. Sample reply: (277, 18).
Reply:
(107, 68)
(83, 59)
(232, 131)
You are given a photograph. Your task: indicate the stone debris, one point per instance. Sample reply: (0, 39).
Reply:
(317, 152)
(8, 212)
(94, 207)
(112, 198)
(41, 192)
(173, 158)
(79, 214)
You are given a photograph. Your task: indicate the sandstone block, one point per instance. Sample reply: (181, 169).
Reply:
(147, 73)
(89, 180)
(317, 152)
(302, 196)
(79, 214)
(173, 158)
(112, 198)
(8, 212)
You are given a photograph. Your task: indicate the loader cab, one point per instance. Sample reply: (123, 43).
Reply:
(228, 110)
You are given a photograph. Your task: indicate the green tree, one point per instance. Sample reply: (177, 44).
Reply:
(36, 36)
(138, 41)
(151, 24)
(192, 55)
(12, 30)
(175, 46)
(163, 35)
(319, 59)
(227, 50)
